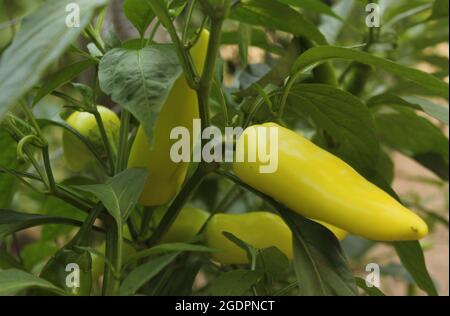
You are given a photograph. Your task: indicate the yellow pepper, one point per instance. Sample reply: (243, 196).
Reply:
(76, 154)
(258, 229)
(165, 176)
(320, 186)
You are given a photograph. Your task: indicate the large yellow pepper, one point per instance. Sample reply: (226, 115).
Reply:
(258, 229)
(320, 186)
(165, 176)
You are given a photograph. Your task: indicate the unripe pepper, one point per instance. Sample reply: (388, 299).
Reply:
(165, 176)
(320, 186)
(76, 154)
(258, 229)
(186, 226)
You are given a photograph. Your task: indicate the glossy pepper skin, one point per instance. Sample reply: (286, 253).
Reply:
(55, 270)
(186, 226)
(76, 154)
(320, 186)
(181, 107)
(258, 229)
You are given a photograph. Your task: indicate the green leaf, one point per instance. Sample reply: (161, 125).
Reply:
(244, 40)
(312, 5)
(275, 15)
(12, 281)
(42, 39)
(139, 13)
(8, 159)
(372, 291)
(53, 206)
(280, 71)
(62, 77)
(37, 253)
(440, 9)
(120, 194)
(319, 262)
(437, 111)
(7, 261)
(272, 262)
(344, 117)
(12, 221)
(412, 258)
(413, 135)
(321, 54)
(235, 283)
(181, 279)
(144, 273)
(140, 80)
(165, 248)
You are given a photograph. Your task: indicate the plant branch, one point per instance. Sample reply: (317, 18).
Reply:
(48, 169)
(177, 204)
(105, 139)
(113, 254)
(122, 156)
(191, 8)
(159, 8)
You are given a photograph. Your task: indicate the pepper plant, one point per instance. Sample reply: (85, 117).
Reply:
(93, 203)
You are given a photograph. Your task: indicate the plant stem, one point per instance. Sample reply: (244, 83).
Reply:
(48, 169)
(32, 120)
(177, 204)
(82, 237)
(153, 33)
(67, 197)
(191, 8)
(19, 177)
(113, 254)
(159, 8)
(207, 77)
(97, 41)
(35, 164)
(146, 218)
(122, 156)
(105, 139)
